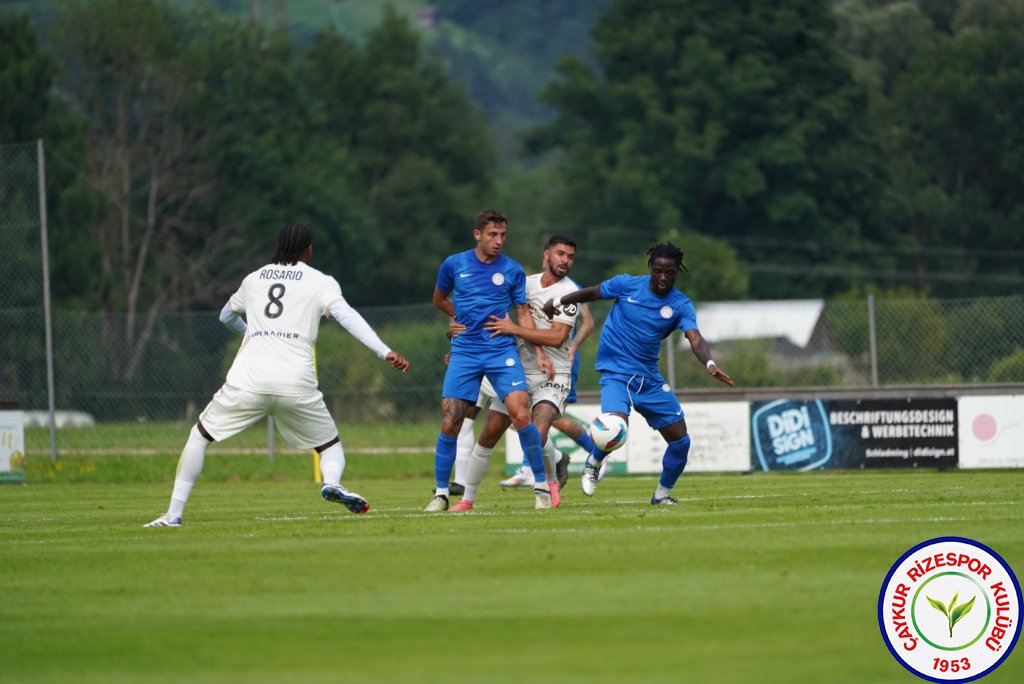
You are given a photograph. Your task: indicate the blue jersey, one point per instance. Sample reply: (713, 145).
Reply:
(638, 322)
(481, 290)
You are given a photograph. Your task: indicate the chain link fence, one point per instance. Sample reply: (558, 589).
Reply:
(144, 382)
(22, 321)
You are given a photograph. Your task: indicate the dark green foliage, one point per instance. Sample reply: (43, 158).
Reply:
(734, 119)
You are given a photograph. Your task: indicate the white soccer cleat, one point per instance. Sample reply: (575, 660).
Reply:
(542, 499)
(664, 501)
(521, 478)
(438, 504)
(348, 499)
(591, 476)
(164, 521)
(604, 469)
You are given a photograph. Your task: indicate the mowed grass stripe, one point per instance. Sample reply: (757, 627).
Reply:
(770, 578)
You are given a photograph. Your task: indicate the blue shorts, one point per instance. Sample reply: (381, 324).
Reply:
(571, 397)
(466, 370)
(650, 396)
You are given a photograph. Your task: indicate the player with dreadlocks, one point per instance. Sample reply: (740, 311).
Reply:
(646, 310)
(274, 372)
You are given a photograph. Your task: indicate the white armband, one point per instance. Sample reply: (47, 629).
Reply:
(711, 362)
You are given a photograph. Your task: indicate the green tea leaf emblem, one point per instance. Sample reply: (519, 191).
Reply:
(955, 612)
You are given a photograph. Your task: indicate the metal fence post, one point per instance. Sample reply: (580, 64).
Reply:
(872, 340)
(45, 249)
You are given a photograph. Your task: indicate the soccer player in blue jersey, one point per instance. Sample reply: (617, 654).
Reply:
(482, 282)
(646, 310)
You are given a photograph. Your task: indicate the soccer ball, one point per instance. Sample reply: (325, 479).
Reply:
(608, 431)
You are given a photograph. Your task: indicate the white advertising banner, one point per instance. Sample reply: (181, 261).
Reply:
(991, 432)
(720, 432)
(12, 446)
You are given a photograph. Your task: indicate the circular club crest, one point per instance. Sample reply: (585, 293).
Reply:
(949, 610)
(510, 362)
(666, 312)
(498, 278)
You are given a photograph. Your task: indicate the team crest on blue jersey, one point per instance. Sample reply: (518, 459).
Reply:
(666, 312)
(498, 279)
(510, 361)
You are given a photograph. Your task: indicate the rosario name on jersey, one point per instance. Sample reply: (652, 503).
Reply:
(481, 290)
(638, 322)
(283, 306)
(537, 295)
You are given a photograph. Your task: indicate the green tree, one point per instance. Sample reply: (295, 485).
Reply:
(735, 119)
(422, 157)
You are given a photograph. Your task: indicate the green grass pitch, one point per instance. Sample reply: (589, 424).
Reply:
(763, 578)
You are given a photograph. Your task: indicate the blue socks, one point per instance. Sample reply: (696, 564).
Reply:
(444, 459)
(529, 439)
(674, 461)
(587, 443)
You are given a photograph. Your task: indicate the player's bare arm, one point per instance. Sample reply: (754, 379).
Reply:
(554, 336)
(587, 294)
(702, 350)
(442, 302)
(583, 330)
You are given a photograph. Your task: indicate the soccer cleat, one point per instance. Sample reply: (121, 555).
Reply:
(349, 500)
(461, 507)
(665, 501)
(438, 504)
(542, 499)
(590, 478)
(163, 521)
(603, 471)
(556, 497)
(562, 469)
(521, 478)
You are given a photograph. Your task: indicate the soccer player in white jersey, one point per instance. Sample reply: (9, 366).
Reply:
(274, 373)
(646, 310)
(548, 388)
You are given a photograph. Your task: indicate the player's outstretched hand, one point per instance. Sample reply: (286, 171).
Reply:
(398, 361)
(720, 375)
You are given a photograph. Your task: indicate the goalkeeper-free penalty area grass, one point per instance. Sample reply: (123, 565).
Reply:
(763, 578)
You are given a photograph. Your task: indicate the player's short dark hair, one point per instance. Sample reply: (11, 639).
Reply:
(666, 250)
(292, 241)
(560, 240)
(489, 216)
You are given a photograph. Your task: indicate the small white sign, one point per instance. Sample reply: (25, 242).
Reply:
(12, 442)
(991, 432)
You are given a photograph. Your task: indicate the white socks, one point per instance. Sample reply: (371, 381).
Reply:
(551, 457)
(477, 468)
(190, 465)
(463, 448)
(332, 464)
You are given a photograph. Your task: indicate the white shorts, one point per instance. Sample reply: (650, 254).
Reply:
(304, 421)
(541, 389)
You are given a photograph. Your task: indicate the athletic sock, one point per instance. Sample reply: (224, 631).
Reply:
(464, 446)
(551, 457)
(529, 439)
(595, 457)
(479, 458)
(190, 465)
(332, 464)
(662, 492)
(584, 441)
(444, 459)
(674, 461)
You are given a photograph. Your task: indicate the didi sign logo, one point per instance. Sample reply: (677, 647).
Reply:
(791, 435)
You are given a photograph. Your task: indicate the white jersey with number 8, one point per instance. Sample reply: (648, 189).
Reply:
(283, 306)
